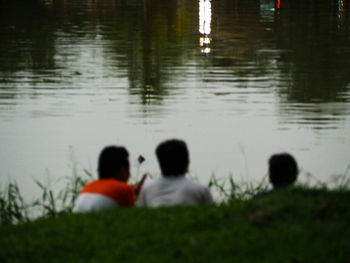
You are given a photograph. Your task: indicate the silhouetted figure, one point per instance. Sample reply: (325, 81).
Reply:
(111, 189)
(283, 172)
(173, 188)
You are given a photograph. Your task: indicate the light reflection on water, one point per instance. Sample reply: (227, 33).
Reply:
(238, 80)
(205, 25)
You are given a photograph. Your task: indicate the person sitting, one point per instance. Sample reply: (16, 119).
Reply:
(111, 189)
(173, 188)
(283, 172)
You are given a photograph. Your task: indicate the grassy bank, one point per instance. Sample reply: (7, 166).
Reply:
(295, 225)
(15, 209)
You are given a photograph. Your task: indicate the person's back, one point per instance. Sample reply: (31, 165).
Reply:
(173, 188)
(104, 194)
(283, 172)
(111, 189)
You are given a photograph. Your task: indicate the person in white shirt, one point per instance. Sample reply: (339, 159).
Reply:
(173, 188)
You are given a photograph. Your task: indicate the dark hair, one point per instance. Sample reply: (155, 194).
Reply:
(283, 169)
(173, 157)
(111, 160)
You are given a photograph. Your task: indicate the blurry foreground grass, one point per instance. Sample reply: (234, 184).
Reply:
(50, 203)
(14, 209)
(293, 225)
(301, 224)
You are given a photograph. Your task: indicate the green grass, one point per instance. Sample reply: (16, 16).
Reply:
(50, 203)
(294, 225)
(14, 209)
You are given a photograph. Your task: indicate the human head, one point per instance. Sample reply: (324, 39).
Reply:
(173, 157)
(113, 162)
(283, 170)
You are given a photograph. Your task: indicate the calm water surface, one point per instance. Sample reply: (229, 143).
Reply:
(238, 80)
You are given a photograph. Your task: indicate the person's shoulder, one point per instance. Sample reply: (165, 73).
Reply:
(150, 182)
(91, 185)
(117, 182)
(112, 183)
(195, 185)
(201, 192)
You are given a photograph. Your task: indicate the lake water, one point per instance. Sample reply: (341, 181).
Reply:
(237, 80)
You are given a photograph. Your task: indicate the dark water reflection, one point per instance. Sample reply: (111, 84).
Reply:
(303, 45)
(286, 59)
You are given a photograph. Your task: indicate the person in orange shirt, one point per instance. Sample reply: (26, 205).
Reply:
(111, 189)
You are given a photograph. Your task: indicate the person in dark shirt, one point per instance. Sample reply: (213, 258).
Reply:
(283, 172)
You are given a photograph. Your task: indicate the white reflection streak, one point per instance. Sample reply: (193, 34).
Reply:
(340, 12)
(204, 17)
(204, 25)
